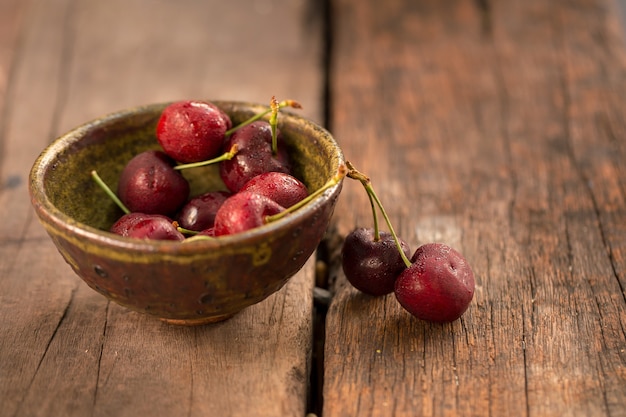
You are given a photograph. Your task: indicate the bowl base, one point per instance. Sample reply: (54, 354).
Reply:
(199, 321)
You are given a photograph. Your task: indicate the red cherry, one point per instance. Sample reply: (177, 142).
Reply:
(283, 188)
(438, 286)
(199, 212)
(149, 184)
(371, 265)
(192, 131)
(126, 222)
(146, 226)
(244, 211)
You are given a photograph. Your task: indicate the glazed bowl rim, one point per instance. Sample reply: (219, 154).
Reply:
(57, 219)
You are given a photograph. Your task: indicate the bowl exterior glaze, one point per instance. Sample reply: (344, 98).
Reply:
(184, 283)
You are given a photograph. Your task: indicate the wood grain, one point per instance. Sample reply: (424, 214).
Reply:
(495, 127)
(64, 350)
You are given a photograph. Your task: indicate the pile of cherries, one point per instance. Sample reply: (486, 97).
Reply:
(436, 284)
(253, 165)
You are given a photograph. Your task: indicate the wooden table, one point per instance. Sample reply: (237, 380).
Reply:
(497, 127)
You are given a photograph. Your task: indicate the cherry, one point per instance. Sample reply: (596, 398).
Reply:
(372, 263)
(372, 259)
(155, 227)
(199, 213)
(147, 226)
(149, 184)
(438, 286)
(283, 188)
(192, 131)
(126, 222)
(244, 211)
(255, 155)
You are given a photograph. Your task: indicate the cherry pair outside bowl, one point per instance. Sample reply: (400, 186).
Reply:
(192, 282)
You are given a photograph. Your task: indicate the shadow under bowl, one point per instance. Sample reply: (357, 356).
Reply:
(186, 283)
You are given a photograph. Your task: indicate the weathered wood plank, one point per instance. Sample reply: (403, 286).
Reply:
(32, 301)
(11, 14)
(63, 349)
(495, 127)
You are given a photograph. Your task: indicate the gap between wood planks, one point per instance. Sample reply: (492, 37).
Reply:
(327, 251)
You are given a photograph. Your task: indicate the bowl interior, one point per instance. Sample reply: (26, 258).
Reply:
(107, 144)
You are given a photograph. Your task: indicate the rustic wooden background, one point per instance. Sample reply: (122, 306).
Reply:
(497, 127)
(64, 350)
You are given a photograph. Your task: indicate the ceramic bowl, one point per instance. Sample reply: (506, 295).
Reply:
(183, 283)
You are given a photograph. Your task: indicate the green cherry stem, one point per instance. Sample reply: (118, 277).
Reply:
(285, 103)
(341, 173)
(274, 123)
(375, 217)
(193, 235)
(354, 174)
(186, 231)
(224, 157)
(109, 192)
(367, 184)
(195, 238)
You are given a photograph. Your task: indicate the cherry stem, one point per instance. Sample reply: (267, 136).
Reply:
(224, 157)
(186, 231)
(109, 192)
(354, 174)
(285, 103)
(367, 184)
(197, 237)
(194, 235)
(341, 173)
(375, 217)
(274, 123)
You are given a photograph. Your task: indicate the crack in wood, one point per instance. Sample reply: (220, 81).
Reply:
(484, 8)
(328, 259)
(525, 360)
(99, 367)
(326, 253)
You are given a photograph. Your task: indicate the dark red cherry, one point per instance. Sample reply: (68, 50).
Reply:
(438, 286)
(283, 188)
(149, 184)
(371, 265)
(127, 222)
(146, 226)
(244, 211)
(192, 131)
(199, 213)
(254, 156)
